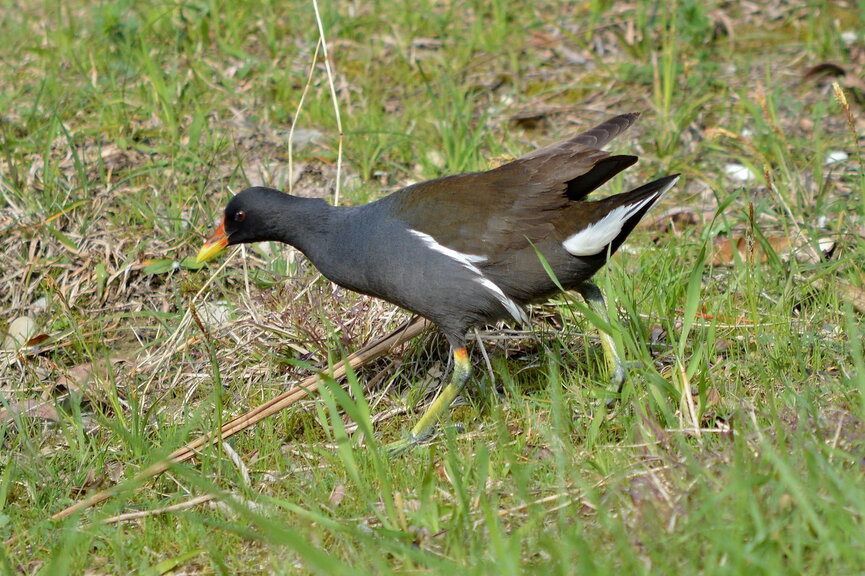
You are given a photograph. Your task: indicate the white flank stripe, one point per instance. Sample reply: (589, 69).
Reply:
(468, 261)
(594, 238)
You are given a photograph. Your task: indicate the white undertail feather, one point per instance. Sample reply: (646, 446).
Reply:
(594, 238)
(515, 310)
(468, 261)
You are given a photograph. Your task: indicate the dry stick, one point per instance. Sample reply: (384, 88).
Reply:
(363, 356)
(173, 508)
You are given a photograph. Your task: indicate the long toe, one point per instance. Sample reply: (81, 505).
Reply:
(403, 445)
(618, 374)
(412, 441)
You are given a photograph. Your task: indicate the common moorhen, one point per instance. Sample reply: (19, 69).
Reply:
(469, 249)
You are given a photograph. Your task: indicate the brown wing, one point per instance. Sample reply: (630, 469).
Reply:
(486, 213)
(597, 137)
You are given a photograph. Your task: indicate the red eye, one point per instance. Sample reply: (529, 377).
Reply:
(239, 216)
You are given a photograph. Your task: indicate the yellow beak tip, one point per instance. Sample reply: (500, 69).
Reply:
(209, 252)
(214, 245)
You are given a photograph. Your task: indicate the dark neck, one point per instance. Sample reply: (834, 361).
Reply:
(305, 223)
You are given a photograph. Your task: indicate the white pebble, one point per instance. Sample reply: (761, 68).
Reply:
(20, 331)
(738, 172)
(836, 156)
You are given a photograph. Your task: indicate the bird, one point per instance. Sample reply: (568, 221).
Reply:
(466, 250)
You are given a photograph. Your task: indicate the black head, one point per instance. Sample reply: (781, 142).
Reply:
(254, 215)
(249, 215)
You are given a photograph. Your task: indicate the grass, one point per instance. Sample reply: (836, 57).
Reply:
(739, 443)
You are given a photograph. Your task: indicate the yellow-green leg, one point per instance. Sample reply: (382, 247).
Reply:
(595, 299)
(424, 426)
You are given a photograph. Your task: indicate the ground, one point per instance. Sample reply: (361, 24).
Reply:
(738, 446)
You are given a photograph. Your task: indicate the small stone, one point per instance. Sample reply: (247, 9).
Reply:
(738, 172)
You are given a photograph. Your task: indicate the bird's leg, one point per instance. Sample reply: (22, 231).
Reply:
(424, 426)
(595, 299)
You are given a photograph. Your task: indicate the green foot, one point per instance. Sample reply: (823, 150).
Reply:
(617, 378)
(427, 423)
(400, 447)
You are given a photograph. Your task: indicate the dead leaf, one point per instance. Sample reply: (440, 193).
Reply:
(38, 339)
(81, 378)
(90, 481)
(802, 249)
(723, 346)
(28, 408)
(849, 292)
(530, 120)
(657, 334)
(337, 495)
(822, 71)
(854, 294)
(827, 72)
